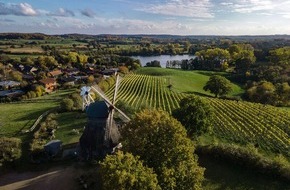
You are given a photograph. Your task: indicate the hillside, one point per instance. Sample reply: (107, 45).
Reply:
(240, 122)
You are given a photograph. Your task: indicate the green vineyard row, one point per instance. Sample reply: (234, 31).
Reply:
(264, 126)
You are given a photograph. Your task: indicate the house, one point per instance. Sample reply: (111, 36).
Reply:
(71, 71)
(55, 73)
(8, 84)
(68, 81)
(11, 93)
(29, 69)
(49, 84)
(26, 69)
(109, 72)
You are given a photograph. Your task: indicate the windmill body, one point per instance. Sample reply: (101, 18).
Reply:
(101, 134)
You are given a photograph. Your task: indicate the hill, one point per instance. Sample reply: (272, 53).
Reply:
(240, 122)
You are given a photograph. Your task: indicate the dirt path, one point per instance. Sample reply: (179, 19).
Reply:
(60, 178)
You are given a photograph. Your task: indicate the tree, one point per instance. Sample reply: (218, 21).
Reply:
(242, 56)
(161, 142)
(90, 79)
(78, 101)
(67, 104)
(218, 85)
(10, 149)
(212, 58)
(16, 75)
(264, 92)
(126, 172)
(194, 114)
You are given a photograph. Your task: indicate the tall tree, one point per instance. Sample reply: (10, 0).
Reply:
(218, 85)
(194, 114)
(126, 172)
(161, 141)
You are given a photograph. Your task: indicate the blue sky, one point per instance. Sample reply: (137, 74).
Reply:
(182, 17)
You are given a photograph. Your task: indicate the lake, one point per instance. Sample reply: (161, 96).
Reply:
(162, 58)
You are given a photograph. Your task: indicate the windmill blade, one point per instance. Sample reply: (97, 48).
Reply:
(97, 89)
(116, 90)
(122, 114)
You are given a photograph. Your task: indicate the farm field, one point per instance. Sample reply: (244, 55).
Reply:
(241, 122)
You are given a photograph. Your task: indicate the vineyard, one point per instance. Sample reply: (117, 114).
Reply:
(266, 127)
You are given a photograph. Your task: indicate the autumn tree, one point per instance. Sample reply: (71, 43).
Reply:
(123, 171)
(218, 85)
(194, 114)
(161, 142)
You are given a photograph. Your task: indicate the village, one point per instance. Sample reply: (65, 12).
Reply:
(13, 90)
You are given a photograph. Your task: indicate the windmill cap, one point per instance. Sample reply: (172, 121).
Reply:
(98, 109)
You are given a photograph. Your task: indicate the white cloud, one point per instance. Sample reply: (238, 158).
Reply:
(21, 9)
(184, 8)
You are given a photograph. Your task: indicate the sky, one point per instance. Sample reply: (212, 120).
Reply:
(176, 17)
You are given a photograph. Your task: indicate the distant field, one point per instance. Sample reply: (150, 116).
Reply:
(34, 49)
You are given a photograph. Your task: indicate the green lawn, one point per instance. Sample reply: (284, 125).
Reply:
(186, 81)
(16, 117)
(19, 116)
(67, 122)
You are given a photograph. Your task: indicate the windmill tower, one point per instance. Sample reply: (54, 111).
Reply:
(101, 134)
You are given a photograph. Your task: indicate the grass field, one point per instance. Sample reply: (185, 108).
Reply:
(186, 81)
(20, 116)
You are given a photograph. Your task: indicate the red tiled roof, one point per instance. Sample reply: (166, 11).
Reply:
(47, 81)
(55, 73)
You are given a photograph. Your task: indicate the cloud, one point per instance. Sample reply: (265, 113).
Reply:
(261, 7)
(88, 12)
(250, 6)
(6, 20)
(61, 12)
(21, 9)
(184, 8)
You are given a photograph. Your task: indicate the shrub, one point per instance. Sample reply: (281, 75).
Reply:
(66, 104)
(10, 149)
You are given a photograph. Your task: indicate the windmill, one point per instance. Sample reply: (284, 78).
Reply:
(101, 135)
(87, 98)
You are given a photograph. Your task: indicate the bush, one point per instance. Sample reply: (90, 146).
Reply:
(10, 149)
(249, 157)
(67, 104)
